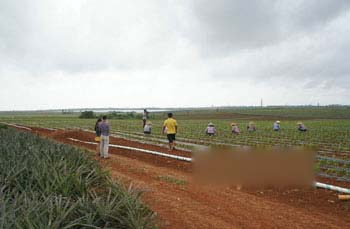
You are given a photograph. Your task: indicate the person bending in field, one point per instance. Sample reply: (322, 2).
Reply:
(170, 128)
(104, 129)
(301, 127)
(251, 126)
(276, 126)
(145, 117)
(210, 130)
(234, 128)
(148, 128)
(98, 135)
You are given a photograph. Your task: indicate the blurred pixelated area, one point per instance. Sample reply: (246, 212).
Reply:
(255, 166)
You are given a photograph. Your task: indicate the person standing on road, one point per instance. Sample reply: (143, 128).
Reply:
(145, 117)
(170, 128)
(98, 135)
(104, 129)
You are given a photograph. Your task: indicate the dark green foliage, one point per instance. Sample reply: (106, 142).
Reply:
(124, 115)
(49, 185)
(87, 114)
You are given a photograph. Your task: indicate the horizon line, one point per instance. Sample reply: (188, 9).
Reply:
(168, 108)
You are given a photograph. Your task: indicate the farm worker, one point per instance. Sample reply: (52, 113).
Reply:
(145, 117)
(170, 128)
(251, 126)
(98, 135)
(148, 128)
(234, 128)
(210, 130)
(104, 129)
(301, 127)
(276, 126)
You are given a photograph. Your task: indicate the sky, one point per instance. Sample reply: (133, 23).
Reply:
(57, 54)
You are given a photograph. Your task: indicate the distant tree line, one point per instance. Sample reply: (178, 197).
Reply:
(87, 114)
(67, 112)
(112, 115)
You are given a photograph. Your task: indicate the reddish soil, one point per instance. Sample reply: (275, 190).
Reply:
(180, 203)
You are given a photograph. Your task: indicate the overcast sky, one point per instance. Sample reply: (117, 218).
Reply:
(111, 53)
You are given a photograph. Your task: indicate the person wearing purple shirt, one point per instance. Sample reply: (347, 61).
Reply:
(301, 127)
(104, 130)
(210, 130)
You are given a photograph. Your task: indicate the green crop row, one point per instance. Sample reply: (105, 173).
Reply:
(332, 135)
(44, 184)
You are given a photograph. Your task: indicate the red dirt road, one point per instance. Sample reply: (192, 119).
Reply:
(179, 203)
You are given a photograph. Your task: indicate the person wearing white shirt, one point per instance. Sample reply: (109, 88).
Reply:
(276, 126)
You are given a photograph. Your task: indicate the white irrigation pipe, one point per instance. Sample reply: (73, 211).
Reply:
(145, 140)
(150, 142)
(26, 128)
(138, 135)
(316, 184)
(139, 150)
(46, 128)
(332, 187)
(20, 127)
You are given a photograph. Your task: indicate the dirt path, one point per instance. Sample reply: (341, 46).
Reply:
(179, 203)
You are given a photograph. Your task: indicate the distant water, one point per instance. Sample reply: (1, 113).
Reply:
(120, 110)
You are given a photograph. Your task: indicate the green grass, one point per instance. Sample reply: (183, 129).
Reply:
(303, 112)
(171, 179)
(44, 184)
(266, 113)
(332, 134)
(3, 126)
(328, 127)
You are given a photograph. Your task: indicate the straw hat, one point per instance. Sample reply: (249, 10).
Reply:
(299, 123)
(149, 123)
(233, 124)
(210, 124)
(251, 123)
(277, 121)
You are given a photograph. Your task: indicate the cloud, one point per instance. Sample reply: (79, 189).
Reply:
(317, 54)
(227, 26)
(225, 52)
(314, 13)
(85, 36)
